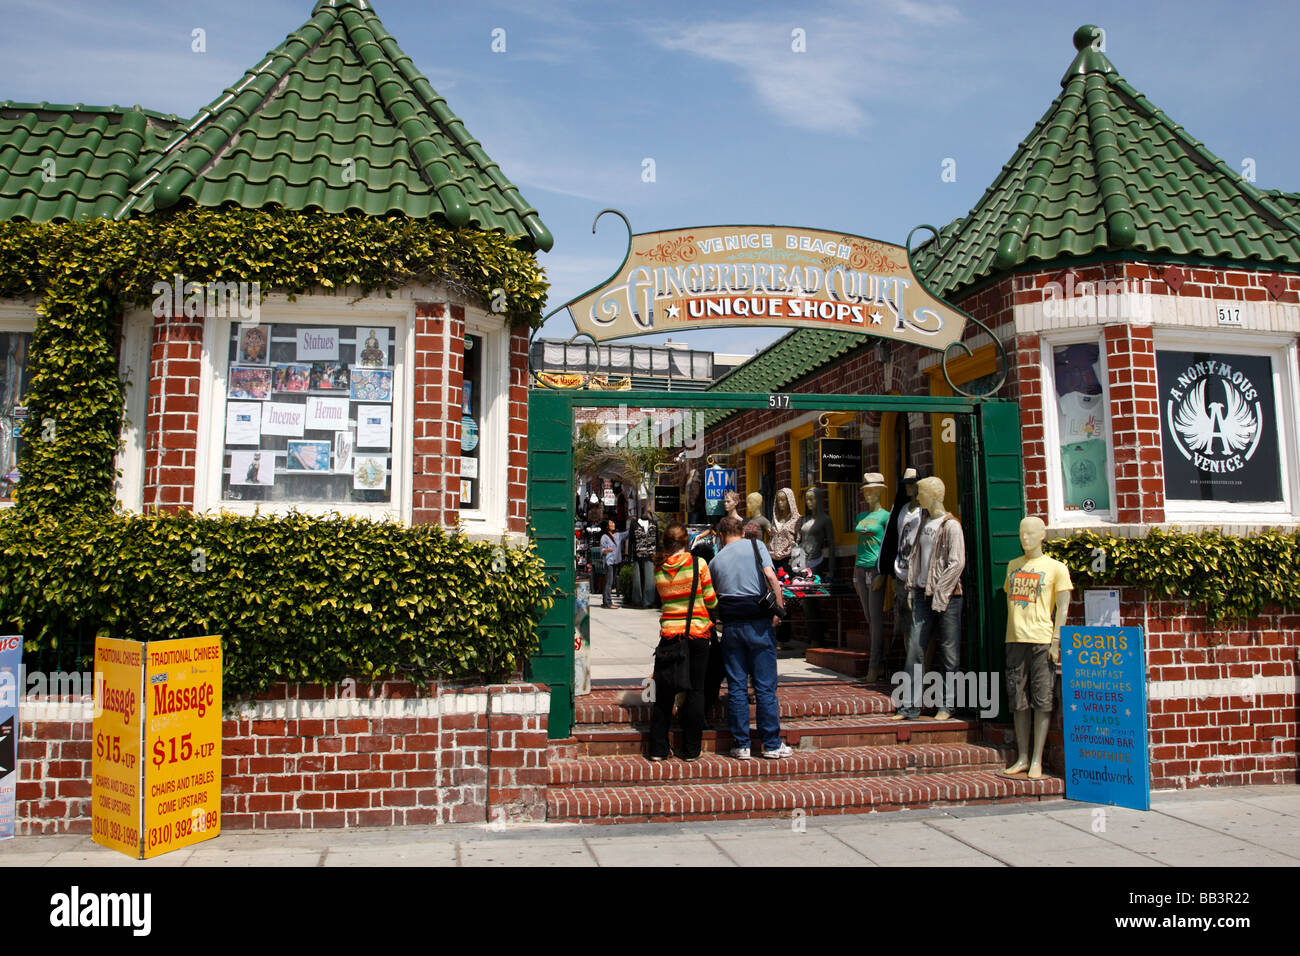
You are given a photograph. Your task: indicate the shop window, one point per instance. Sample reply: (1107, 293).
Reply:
(485, 426)
(307, 413)
(1224, 422)
(1077, 407)
(14, 380)
(471, 422)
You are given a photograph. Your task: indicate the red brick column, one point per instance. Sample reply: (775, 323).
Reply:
(1028, 373)
(1135, 424)
(454, 362)
(517, 478)
(429, 415)
(172, 417)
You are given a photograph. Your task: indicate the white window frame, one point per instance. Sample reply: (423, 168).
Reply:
(489, 518)
(134, 359)
(17, 317)
(309, 310)
(1281, 351)
(1057, 515)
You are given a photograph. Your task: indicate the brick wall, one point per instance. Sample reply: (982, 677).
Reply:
(172, 416)
(312, 756)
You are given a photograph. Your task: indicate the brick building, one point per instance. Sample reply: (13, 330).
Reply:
(411, 406)
(1146, 295)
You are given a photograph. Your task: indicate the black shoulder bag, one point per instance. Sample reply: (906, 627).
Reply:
(768, 600)
(673, 655)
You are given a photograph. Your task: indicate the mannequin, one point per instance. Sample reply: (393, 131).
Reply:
(870, 526)
(817, 535)
(693, 495)
(645, 539)
(785, 537)
(1038, 598)
(935, 598)
(731, 505)
(754, 513)
(900, 537)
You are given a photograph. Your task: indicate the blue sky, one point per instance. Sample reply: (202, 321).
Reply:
(850, 135)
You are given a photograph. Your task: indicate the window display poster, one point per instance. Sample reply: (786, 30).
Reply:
(1104, 702)
(11, 660)
(374, 426)
(372, 385)
(343, 445)
(252, 468)
(308, 456)
(327, 414)
(291, 377)
(243, 423)
(254, 344)
(1218, 423)
(372, 347)
(369, 473)
(329, 377)
(251, 382)
(317, 345)
(469, 467)
(283, 418)
(466, 491)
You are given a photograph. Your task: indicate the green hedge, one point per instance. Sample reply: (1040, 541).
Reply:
(295, 598)
(1232, 576)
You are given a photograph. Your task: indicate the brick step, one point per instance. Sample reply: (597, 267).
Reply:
(818, 733)
(851, 663)
(824, 795)
(620, 771)
(833, 698)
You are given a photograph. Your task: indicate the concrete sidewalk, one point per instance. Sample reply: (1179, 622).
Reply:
(1240, 826)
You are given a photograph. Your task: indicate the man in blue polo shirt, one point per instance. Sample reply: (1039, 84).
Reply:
(748, 639)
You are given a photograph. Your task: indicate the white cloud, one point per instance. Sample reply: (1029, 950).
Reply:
(855, 56)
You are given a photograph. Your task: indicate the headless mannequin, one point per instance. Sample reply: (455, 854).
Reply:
(817, 536)
(645, 534)
(873, 601)
(1032, 532)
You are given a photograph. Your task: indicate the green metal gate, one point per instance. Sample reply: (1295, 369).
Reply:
(990, 486)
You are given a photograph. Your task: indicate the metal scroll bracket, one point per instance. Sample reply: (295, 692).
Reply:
(533, 372)
(959, 348)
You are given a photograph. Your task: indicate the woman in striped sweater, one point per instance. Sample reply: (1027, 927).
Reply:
(675, 570)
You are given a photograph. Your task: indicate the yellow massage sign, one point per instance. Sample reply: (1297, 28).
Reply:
(766, 275)
(156, 782)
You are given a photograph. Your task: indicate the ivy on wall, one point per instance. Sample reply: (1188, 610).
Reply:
(294, 597)
(1233, 577)
(85, 273)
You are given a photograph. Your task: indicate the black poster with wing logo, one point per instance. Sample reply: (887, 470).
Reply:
(1218, 422)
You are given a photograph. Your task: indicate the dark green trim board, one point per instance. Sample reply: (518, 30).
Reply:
(989, 474)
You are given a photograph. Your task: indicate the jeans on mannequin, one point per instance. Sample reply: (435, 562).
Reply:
(873, 609)
(924, 622)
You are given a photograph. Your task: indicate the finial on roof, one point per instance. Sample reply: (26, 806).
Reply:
(335, 4)
(1090, 41)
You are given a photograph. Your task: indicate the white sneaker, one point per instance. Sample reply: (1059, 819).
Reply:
(781, 751)
(740, 753)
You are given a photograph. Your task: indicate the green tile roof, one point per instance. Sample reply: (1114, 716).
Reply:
(1102, 171)
(336, 118)
(1105, 170)
(60, 163)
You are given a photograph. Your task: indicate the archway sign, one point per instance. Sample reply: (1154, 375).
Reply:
(788, 276)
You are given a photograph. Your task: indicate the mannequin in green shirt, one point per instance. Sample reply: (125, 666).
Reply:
(870, 527)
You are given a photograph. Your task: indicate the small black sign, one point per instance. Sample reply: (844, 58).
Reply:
(839, 459)
(668, 499)
(1218, 421)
